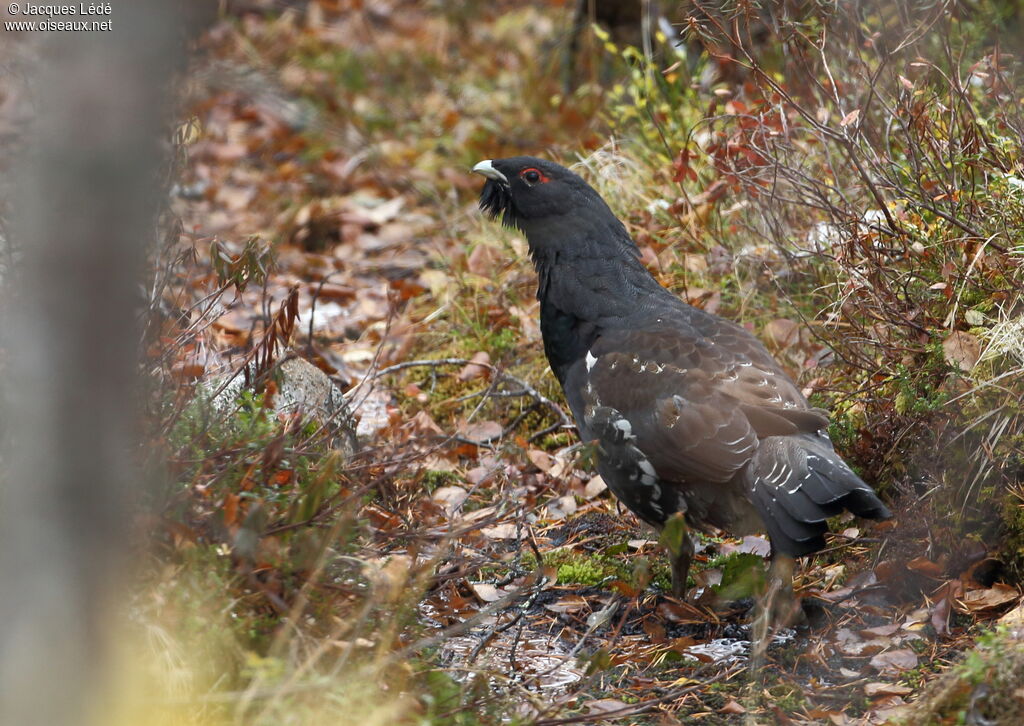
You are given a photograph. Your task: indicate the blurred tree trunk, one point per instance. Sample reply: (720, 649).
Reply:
(83, 214)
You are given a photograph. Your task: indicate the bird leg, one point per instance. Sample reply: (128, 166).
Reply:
(779, 607)
(676, 539)
(681, 567)
(781, 602)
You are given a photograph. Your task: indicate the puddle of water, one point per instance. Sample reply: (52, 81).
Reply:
(542, 662)
(734, 650)
(545, 663)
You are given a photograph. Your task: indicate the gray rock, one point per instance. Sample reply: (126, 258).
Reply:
(301, 388)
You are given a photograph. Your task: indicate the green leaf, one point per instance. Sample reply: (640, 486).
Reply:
(673, 534)
(742, 576)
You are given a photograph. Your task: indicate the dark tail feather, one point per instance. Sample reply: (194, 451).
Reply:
(797, 482)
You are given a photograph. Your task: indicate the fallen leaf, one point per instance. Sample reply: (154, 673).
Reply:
(594, 487)
(482, 513)
(486, 592)
(894, 661)
(422, 425)
(850, 118)
(732, 707)
(975, 318)
(940, 616)
(751, 544)
(382, 212)
(541, 459)
(962, 350)
(639, 544)
(479, 474)
(1014, 618)
(568, 604)
(882, 631)
(451, 497)
(561, 507)
(563, 463)
(782, 332)
(992, 598)
(478, 367)
(231, 509)
(886, 689)
(483, 431)
(887, 709)
(439, 284)
(604, 705)
(484, 260)
(500, 531)
(926, 567)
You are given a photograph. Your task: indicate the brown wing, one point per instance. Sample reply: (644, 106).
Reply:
(697, 408)
(685, 427)
(679, 418)
(714, 429)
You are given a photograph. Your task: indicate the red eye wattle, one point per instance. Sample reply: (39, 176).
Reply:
(533, 176)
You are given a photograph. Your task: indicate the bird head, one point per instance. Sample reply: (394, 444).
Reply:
(563, 219)
(526, 192)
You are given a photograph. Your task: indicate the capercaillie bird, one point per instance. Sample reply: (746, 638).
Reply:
(690, 412)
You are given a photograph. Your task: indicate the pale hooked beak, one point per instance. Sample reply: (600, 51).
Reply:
(487, 169)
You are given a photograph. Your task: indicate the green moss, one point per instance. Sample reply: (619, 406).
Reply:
(434, 479)
(743, 575)
(787, 697)
(555, 441)
(985, 683)
(614, 563)
(576, 568)
(585, 572)
(503, 341)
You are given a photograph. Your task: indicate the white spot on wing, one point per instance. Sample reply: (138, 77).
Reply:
(591, 360)
(624, 426)
(648, 477)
